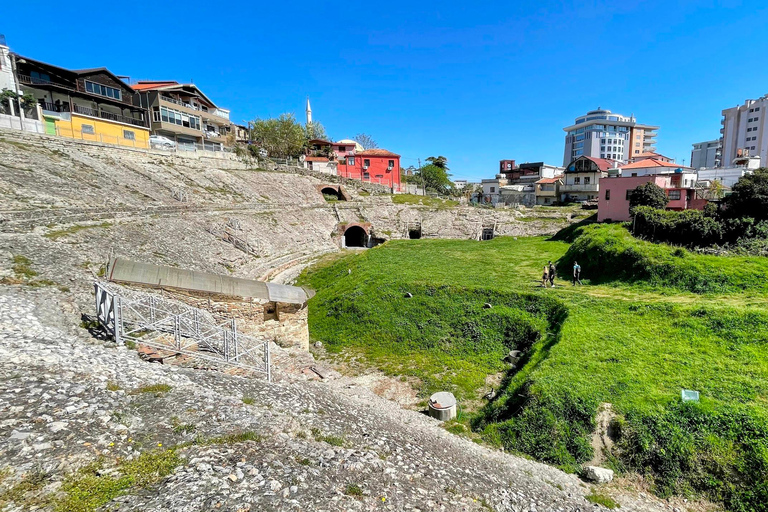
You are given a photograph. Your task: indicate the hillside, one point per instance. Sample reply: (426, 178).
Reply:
(634, 336)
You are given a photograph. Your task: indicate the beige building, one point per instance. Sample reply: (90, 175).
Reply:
(548, 190)
(745, 132)
(182, 113)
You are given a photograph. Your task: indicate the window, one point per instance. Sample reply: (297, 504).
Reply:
(577, 180)
(342, 149)
(169, 115)
(102, 90)
(129, 135)
(674, 195)
(757, 109)
(350, 160)
(607, 195)
(629, 194)
(366, 163)
(586, 180)
(391, 164)
(751, 110)
(493, 189)
(87, 129)
(366, 176)
(39, 77)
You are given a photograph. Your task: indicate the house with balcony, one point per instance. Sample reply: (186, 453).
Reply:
(581, 179)
(89, 104)
(548, 190)
(616, 191)
(182, 113)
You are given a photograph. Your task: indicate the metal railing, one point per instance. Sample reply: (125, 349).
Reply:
(86, 111)
(53, 107)
(163, 324)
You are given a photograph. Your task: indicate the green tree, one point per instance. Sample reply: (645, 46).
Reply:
(280, 136)
(648, 194)
(433, 178)
(315, 130)
(439, 161)
(749, 197)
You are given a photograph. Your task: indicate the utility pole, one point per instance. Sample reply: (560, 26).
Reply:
(18, 91)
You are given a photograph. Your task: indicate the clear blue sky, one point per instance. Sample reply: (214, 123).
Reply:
(476, 82)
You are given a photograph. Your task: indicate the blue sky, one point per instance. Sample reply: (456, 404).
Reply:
(475, 82)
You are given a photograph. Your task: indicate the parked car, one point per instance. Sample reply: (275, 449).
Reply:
(163, 142)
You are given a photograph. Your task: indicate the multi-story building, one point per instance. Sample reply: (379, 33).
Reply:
(528, 171)
(605, 135)
(7, 80)
(181, 112)
(581, 179)
(745, 131)
(730, 174)
(548, 190)
(372, 165)
(706, 154)
(616, 191)
(89, 104)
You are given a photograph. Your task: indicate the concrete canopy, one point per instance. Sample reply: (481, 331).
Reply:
(121, 270)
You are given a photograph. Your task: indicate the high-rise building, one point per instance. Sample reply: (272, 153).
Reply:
(745, 131)
(706, 154)
(603, 134)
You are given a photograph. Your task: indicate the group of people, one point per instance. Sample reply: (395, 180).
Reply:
(550, 271)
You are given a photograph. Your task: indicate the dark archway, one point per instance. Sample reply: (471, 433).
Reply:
(330, 193)
(355, 236)
(414, 233)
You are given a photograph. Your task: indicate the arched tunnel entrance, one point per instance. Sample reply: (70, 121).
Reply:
(330, 193)
(355, 236)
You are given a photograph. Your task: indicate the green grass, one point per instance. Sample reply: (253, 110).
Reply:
(152, 388)
(699, 322)
(353, 490)
(602, 499)
(423, 200)
(22, 267)
(90, 488)
(55, 235)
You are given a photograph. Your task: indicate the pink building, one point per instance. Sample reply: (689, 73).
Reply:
(613, 203)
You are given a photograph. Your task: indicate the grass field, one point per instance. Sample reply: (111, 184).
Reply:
(631, 339)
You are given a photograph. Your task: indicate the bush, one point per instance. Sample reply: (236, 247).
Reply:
(610, 253)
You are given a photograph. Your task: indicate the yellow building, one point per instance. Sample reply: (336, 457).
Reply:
(87, 104)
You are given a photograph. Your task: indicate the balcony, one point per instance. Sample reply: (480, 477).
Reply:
(28, 80)
(592, 187)
(52, 107)
(109, 116)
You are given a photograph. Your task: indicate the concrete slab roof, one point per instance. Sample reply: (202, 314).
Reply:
(121, 270)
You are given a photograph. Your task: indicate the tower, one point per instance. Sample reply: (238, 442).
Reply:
(309, 113)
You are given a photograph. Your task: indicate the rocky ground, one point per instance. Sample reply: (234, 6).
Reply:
(67, 400)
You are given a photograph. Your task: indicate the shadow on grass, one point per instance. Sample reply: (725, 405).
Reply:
(513, 389)
(570, 233)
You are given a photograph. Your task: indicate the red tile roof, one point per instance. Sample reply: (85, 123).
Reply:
(550, 180)
(376, 152)
(316, 159)
(651, 162)
(147, 85)
(602, 163)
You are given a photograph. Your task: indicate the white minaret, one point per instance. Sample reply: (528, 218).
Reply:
(309, 113)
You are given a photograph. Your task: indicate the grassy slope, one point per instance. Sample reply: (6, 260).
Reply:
(632, 344)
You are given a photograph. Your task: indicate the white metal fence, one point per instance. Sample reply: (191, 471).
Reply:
(163, 324)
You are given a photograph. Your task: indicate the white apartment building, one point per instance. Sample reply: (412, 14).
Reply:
(7, 80)
(706, 154)
(603, 134)
(744, 131)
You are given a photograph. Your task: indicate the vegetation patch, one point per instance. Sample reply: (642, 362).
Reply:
(152, 388)
(55, 235)
(651, 321)
(354, 490)
(92, 486)
(433, 202)
(602, 499)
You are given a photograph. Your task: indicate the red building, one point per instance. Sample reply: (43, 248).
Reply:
(374, 166)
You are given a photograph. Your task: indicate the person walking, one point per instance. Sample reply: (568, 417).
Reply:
(552, 272)
(576, 273)
(544, 277)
